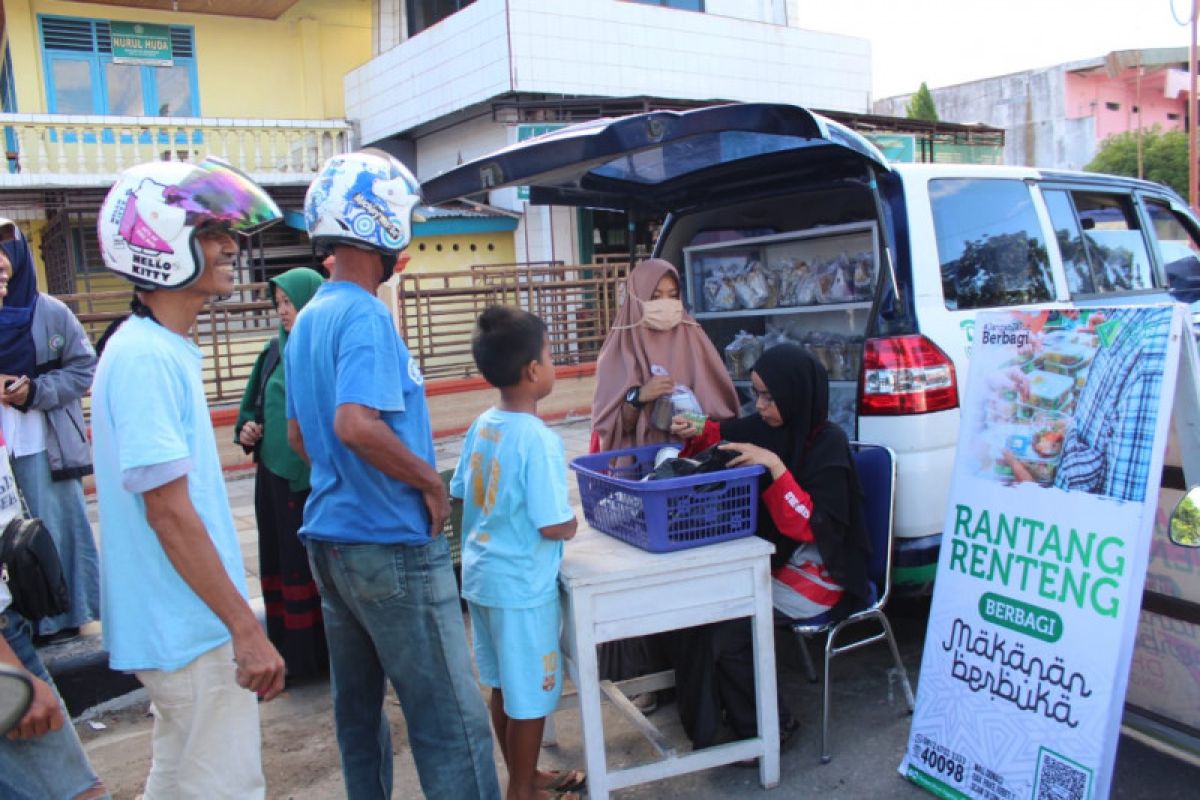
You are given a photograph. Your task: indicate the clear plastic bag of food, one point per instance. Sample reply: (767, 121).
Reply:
(740, 355)
(681, 400)
(863, 274)
(719, 294)
(752, 287)
(835, 282)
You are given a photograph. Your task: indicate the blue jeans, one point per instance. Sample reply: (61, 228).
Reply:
(392, 614)
(52, 765)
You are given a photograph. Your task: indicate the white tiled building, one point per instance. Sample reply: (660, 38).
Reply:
(443, 90)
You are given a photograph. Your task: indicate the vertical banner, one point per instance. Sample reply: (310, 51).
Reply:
(1044, 553)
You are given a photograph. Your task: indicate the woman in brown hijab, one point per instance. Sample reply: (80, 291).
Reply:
(653, 330)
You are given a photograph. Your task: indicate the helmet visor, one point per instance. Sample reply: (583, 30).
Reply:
(216, 192)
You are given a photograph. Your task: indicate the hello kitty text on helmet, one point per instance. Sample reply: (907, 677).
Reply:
(365, 200)
(149, 219)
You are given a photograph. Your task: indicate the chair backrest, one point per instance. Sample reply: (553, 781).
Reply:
(876, 466)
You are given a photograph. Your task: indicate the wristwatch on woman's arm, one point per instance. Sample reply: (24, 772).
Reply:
(633, 395)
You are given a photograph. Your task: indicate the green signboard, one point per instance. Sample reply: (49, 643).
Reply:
(136, 43)
(529, 131)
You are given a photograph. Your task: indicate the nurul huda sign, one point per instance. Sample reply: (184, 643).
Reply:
(136, 43)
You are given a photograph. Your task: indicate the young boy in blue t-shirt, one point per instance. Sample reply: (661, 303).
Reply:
(512, 478)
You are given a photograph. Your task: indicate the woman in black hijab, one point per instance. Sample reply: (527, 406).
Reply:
(811, 509)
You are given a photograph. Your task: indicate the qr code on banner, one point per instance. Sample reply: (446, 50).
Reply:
(1059, 778)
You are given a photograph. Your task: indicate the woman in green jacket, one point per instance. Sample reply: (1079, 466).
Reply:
(281, 488)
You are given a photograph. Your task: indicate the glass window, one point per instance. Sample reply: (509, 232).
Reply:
(173, 87)
(124, 89)
(989, 243)
(424, 14)
(72, 86)
(1070, 242)
(679, 157)
(83, 79)
(686, 5)
(1116, 247)
(1176, 242)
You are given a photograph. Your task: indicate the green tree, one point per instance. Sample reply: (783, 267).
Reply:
(1164, 157)
(921, 105)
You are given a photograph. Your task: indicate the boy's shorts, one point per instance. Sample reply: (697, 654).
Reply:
(516, 649)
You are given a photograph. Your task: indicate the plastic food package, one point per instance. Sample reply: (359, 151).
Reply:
(863, 264)
(752, 286)
(681, 400)
(1048, 390)
(741, 354)
(835, 282)
(719, 294)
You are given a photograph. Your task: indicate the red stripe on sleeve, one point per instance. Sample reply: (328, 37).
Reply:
(790, 508)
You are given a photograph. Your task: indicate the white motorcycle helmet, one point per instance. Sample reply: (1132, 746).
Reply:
(363, 199)
(148, 222)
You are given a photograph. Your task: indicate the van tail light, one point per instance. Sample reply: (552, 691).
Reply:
(906, 375)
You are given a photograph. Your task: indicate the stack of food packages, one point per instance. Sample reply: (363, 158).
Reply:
(789, 282)
(1030, 406)
(840, 354)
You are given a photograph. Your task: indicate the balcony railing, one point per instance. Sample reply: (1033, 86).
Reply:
(57, 150)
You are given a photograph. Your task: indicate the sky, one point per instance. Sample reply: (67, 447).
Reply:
(944, 42)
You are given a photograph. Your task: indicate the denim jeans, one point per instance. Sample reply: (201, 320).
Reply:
(52, 765)
(392, 614)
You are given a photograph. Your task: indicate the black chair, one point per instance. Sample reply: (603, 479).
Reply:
(876, 467)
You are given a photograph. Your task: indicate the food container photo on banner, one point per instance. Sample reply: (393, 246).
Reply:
(1044, 552)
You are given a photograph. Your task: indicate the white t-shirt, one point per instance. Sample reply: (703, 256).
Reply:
(24, 431)
(5, 597)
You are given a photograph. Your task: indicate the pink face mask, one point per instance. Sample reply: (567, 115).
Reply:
(663, 314)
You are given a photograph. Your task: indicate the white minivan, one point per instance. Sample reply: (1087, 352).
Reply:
(786, 225)
(789, 226)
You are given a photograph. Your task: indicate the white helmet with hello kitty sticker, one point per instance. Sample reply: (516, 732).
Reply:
(148, 222)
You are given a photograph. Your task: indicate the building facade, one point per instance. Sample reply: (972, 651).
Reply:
(453, 79)
(1058, 116)
(89, 88)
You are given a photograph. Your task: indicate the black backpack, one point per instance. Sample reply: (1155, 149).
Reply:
(30, 566)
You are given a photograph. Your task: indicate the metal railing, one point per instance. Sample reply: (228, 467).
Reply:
(77, 150)
(435, 314)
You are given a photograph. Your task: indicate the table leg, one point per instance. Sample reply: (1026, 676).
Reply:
(587, 683)
(764, 676)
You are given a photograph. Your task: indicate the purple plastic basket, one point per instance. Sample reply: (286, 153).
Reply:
(669, 514)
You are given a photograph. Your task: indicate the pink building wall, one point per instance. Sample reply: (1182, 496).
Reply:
(1094, 94)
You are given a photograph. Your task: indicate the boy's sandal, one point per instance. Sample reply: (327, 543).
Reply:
(566, 780)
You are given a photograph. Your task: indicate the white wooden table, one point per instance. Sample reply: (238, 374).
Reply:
(611, 590)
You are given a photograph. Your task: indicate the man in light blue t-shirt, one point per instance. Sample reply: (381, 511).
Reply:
(372, 524)
(173, 587)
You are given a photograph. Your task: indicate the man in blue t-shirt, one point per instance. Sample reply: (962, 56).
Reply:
(356, 410)
(173, 588)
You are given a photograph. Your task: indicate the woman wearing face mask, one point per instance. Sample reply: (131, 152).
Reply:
(294, 623)
(651, 330)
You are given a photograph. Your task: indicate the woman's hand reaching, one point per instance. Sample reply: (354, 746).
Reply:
(687, 426)
(753, 454)
(655, 388)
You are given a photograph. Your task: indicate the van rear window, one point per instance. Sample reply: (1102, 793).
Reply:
(989, 243)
